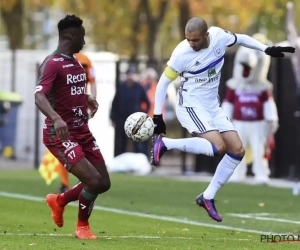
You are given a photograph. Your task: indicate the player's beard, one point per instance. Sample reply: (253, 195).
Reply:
(197, 48)
(203, 45)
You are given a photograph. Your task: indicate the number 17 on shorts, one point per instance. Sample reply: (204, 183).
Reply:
(67, 152)
(73, 150)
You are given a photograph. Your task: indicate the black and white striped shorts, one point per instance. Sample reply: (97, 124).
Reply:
(199, 120)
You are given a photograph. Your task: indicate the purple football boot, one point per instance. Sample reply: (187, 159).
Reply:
(158, 149)
(209, 206)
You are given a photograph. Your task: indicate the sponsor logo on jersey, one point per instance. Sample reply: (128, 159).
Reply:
(69, 145)
(210, 79)
(197, 63)
(215, 78)
(77, 90)
(77, 122)
(248, 112)
(79, 117)
(248, 98)
(68, 65)
(211, 72)
(76, 78)
(77, 111)
(96, 147)
(60, 59)
(199, 80)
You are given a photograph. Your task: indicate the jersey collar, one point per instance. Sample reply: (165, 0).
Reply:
(70, 57)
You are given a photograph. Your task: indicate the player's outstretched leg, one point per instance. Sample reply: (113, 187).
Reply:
(57, 202)
(196, 145)
(223, 172)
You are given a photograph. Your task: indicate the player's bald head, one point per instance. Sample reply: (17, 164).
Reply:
(196, 33)
(196, 24)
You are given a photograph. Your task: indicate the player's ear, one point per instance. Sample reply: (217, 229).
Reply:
(207, 34)
(68, 36)
(71, 36)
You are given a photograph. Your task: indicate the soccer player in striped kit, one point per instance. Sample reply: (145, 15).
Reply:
(198, 59)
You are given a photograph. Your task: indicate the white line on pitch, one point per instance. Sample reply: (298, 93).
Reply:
(247, 216)
(259, 214)
(117, 236)
(142, 215)
(34, 234)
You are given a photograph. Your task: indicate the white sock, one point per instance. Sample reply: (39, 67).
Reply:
(194, 145)
(223, 172)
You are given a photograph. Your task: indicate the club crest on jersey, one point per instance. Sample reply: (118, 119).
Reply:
(217, 50)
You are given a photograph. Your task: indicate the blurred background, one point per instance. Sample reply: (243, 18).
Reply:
(132, 41)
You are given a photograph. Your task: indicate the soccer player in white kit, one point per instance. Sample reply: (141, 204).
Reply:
(198, 60)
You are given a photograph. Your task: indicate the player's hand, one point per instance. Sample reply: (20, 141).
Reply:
(92, 104)
(61, 129)
(160, 126)
(277, 51)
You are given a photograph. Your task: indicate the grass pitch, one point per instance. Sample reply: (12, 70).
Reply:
(147, 213)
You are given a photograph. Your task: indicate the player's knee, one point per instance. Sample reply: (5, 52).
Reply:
(99, 184)
(239, 150)
(94, 183)
(221, 148)
(105, 185)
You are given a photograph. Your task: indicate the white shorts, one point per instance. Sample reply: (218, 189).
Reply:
(198, 120)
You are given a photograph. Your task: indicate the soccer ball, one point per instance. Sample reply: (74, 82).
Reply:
(139, 127)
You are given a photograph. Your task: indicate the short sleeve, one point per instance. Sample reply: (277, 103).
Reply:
(176, 61)
(228, 38)
(229, 95)
(46, 76)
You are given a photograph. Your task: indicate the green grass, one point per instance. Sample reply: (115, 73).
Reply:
(28, 225)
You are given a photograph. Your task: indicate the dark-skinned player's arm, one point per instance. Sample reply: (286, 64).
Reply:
(44, 106)
(92, 104)
(46, 76)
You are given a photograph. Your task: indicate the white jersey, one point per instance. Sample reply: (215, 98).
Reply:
(200, 71)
